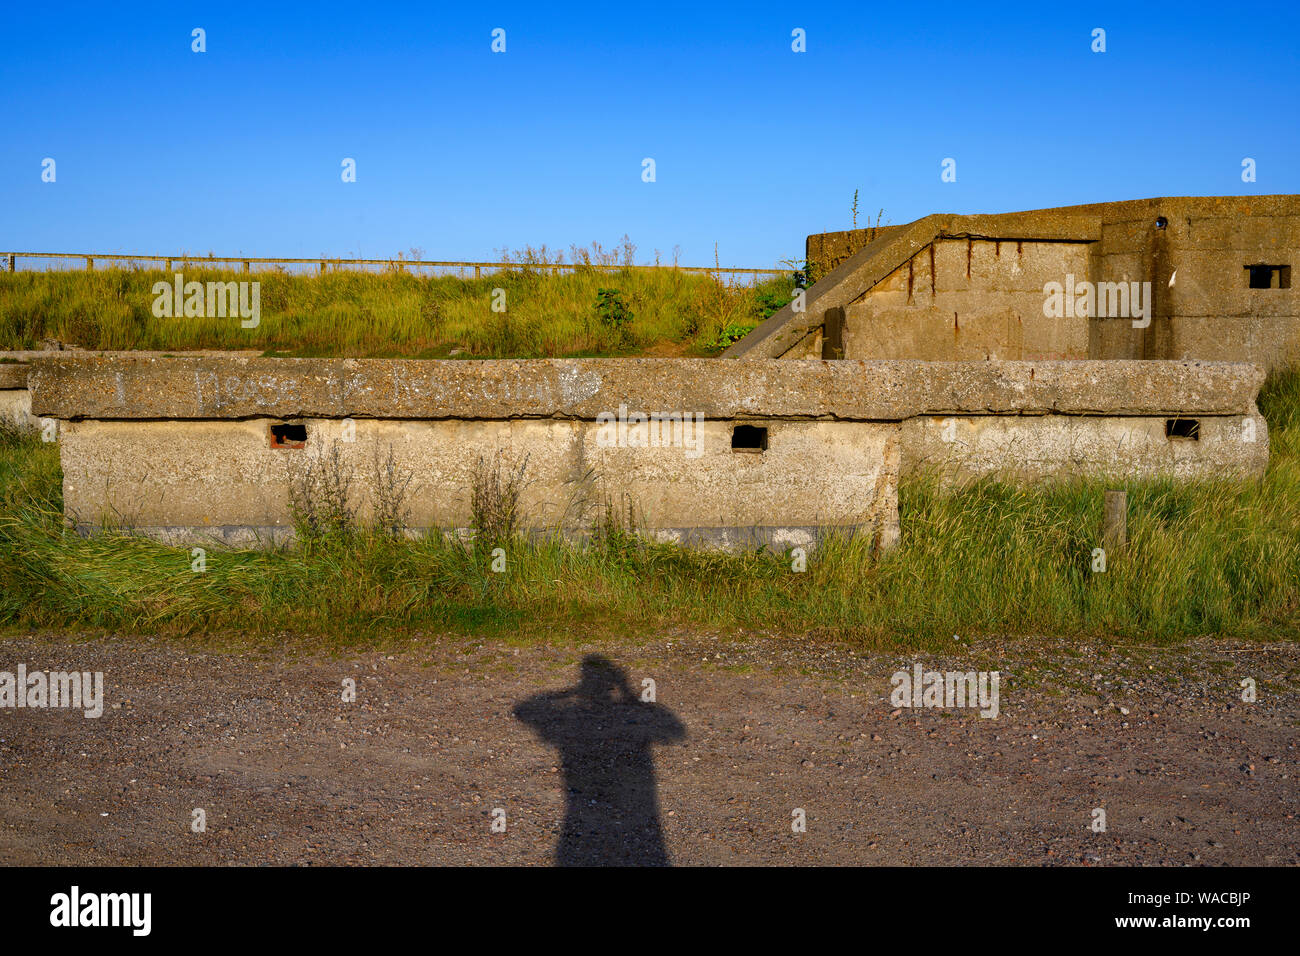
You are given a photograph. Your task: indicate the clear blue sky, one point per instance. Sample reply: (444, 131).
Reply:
(461, 151)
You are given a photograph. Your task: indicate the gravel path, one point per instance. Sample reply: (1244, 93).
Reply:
(744, 732)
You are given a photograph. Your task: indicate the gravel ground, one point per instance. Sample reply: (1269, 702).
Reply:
(745, 731)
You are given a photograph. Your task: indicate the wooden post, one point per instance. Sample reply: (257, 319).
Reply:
(245, 265)
(322, 267)
(90, 264)
(12, 265)
(1114, 527)
(833, 333)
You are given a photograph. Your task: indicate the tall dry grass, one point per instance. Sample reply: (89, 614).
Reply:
(1210, 557)
(396, 313)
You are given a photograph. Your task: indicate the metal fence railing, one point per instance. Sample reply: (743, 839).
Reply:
(414, 265)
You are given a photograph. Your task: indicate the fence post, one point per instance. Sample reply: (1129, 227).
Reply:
(245, 265)
(322, 266)
(13, 267)
(90, 264)
(1114, 528)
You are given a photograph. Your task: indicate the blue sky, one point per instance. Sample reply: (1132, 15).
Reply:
(461, 152)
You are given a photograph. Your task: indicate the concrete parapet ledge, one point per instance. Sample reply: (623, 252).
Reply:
(126, 388)
(16, 363)
(13, 375)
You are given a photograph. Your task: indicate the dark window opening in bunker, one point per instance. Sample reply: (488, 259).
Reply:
(1188, 428)
(288, 435)
(1269, 277)
(749, 438)
(1161, 222)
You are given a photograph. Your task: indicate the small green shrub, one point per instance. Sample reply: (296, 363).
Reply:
(732, 332)
(614, 315)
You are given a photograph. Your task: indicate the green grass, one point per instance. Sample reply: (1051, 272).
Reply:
(394, 314)
(1214, 557)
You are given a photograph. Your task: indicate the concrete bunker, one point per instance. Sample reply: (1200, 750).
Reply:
(771, 452)
(1178, 278)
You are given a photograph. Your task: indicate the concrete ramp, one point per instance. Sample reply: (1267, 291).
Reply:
(786, 329)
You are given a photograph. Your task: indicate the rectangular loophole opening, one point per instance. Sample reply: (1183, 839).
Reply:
(1269, 277)
(752, 438)
(289, 435)
(1186, 428)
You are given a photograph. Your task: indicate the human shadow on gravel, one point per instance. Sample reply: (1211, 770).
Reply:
(604, 733)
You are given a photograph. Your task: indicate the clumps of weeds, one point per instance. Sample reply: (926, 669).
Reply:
(619, 523)
(321, 500)
(12, 434)
(389, 486)
(320, 495)
(581, 501)
(495, 501)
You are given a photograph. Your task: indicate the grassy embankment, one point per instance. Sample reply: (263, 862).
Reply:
(1219, 557)
(392, 314)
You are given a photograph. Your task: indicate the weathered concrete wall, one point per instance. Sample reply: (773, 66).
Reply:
(169, 446)
(1204, 306)
(181, 447)
(824, 251)
(15, 401)
(223, 478)
(958, 449)
(13, 375)
(970, 300)
(16, 407)
(784, 333)
(1193, 250)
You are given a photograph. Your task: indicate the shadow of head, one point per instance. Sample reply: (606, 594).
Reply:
(604, 733)
(603, 681)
